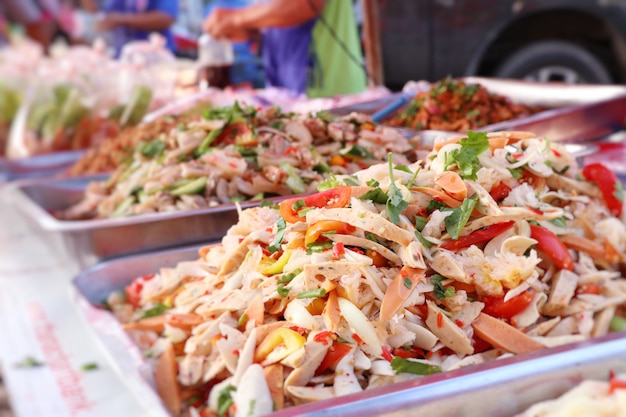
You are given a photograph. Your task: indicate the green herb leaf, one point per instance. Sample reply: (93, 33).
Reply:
(403, 168)
(371, 236)
(408, 283)
(225, 400)
(467, 157)
(440, 291)
(376, 195)
(357, 151)
(277, 124)
(298, 204)
(29, 362)
(407, 366)
(152, 149)
(322, 168)
(89, 366)
(412, 181)
(325, 116)
(420, 222)
(316, 293)
(559, 222)
(435, 205)
(373, 183)
(274, 245)
(327, 184)
(157, 310)
(426, 243)
(395, 203)
(516, 173)
(459, 217)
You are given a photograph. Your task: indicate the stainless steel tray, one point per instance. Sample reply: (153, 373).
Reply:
(45, 165)
(499, 388)
(91, 241)
(577, 113)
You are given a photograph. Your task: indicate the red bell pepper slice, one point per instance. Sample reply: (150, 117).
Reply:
(478, 236)
(333, 356)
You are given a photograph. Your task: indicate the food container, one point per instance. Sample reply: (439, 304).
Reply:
(90, 241)
(45, 165)
(498, 388)
(576, 113)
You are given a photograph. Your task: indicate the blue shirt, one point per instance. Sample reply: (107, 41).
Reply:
(124, 34)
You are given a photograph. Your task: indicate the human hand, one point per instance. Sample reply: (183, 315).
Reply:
(225, 23)
(109, 21)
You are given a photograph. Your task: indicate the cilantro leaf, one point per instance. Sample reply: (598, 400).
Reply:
(404, 168)
(467, 157)
(395, 203)
(376, 195)
(440, 291)
(372, 183)
(459, 217)
(274, 245)
(152, 149)
(401, 365)
(352, 182)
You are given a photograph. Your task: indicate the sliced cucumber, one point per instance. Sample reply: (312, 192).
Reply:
(137, 106)
(195, 186)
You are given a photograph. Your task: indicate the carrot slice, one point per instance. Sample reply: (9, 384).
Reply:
(504, 336)
(331, 313)
(155, 324)
(166, 383)
(438, 195)
(274, 378)
(453, 185)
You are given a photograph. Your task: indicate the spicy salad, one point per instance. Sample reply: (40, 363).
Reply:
(235, 154)
(495, 244)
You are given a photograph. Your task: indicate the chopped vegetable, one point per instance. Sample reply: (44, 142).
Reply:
(408, 366)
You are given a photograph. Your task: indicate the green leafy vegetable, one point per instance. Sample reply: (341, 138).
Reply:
(420, 222)
(466, 158)
(89, 367)
(396, 202)
(157, 310)
(408, 283)
(559, 222)
(459, 217)
(322, 168)
(372, 183)
(325, 116)
(440, 291)
(435, 205)
(407, 366)
(516, 173)
(357, 151)
(294, 182)
(327, 184)
(403, 168)
(152, 149)
(282, 290)
(353, 182)
(277, 124)
(274, 245)
(225, 400)
(426, 243)
(376, 195)
(29, 362)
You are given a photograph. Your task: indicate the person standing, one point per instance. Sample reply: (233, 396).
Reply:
(309, 46)
(132, 20)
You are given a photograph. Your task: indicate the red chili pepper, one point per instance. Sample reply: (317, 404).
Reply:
(357, 339)
(590, 288)
(387, 353)
(439, 319)
(133, 290)
(549, 243)
(477, 236)
(290, 150)
(616, 383)
(609, 185)
(556, 153)
(323, 337)
(534, 210)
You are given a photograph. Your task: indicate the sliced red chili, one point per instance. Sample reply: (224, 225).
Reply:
(549, 243)
(609, 185)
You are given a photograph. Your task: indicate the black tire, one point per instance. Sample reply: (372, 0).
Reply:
(558, 57)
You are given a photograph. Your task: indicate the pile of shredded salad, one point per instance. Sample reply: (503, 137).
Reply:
(495, 244)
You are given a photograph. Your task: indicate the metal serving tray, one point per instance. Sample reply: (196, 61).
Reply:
(45, 165)
(91, 241)
(499, 388)
(576, 113)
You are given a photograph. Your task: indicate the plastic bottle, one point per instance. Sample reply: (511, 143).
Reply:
(215, 59)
